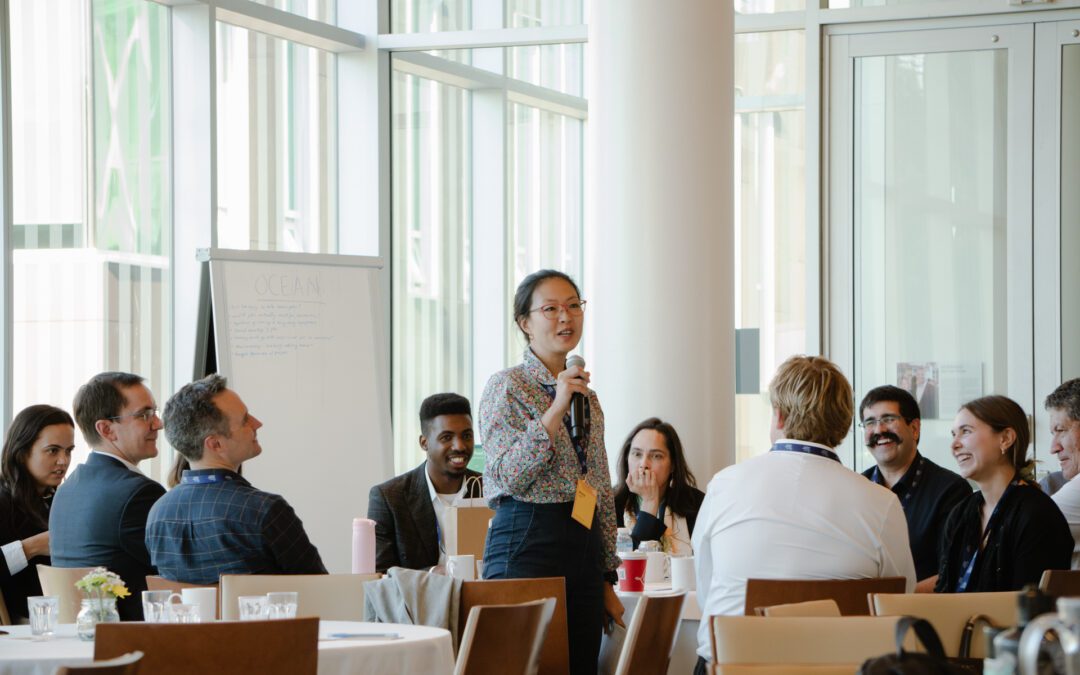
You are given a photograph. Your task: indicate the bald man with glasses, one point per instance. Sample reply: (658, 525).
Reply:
(891, 425)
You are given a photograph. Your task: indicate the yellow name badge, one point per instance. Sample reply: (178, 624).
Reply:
(584, 504)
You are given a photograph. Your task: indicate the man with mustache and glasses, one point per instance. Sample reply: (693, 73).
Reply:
(891, 423)
(409, 510)
(1063, 404)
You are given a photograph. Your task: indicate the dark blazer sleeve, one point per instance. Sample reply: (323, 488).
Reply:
(386, 553)
(133, 520)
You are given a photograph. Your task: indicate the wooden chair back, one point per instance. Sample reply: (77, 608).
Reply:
(949, 613)
(746, 640)
(851, 595)
(331, 597)
(1060, 583)
(504, 639)
(651, 635)
(128, 664)
(280, 647)
(555, 652)
(60, 581)
(809, 608)
(788, 669)
(156, 583)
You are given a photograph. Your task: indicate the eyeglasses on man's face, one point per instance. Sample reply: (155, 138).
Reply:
(144, 415)
(884, 420)
(552, 310)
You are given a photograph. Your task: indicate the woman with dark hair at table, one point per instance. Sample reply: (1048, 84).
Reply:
(35, 459)
(657, 496)
(554, 513)
(1009, 532)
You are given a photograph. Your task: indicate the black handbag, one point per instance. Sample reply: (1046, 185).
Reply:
(933, 662)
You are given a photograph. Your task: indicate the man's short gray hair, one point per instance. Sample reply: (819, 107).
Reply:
(1066, 397)
(190, 416)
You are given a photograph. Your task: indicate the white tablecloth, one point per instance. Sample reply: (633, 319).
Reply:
(420, 650)
(684, 652)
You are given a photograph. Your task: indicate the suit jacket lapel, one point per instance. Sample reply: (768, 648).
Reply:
(423, 513)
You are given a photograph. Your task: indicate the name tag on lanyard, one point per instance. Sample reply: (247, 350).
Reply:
(584, 494)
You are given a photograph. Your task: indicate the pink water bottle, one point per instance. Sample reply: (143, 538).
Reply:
(363, 546)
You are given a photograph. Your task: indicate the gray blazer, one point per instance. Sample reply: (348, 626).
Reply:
(406, 532)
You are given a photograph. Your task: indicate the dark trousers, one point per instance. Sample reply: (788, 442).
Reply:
(540, 540)
(701, 667)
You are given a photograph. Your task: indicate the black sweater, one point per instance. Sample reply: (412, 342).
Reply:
(1031, 536)
(16, 525)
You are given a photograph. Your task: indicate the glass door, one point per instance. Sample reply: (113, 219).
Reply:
(1057, 215)
(930, 221)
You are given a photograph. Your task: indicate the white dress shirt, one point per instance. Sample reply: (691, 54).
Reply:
(1068, 500)
(440, 502)
(793, 515)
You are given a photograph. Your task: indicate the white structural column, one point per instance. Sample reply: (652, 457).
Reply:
(660, 324)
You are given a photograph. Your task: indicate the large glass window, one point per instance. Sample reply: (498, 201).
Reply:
(487, 188)
(92, 212)
(770, 219)
(427, 16)
(276, 144)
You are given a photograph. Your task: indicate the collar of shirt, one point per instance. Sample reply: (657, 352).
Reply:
(906, 479)
(435, 495)
(207, 476)
(119, 459)
(536, 368)
(797, 441)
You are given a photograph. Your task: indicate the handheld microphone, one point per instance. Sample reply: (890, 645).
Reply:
(577, 405)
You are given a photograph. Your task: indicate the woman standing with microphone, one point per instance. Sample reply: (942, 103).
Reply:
(554, 512)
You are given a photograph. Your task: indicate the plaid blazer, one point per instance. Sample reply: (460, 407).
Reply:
(214, 522)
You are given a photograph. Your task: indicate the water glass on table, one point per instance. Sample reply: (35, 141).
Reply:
(44, 611)
(252, 607)
(181, 612)
(281, 605)
(155, 606)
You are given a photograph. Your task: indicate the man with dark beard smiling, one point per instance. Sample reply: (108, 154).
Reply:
(891, 423)
(408, 510)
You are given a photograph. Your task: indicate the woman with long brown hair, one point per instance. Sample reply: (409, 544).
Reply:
(35, 459)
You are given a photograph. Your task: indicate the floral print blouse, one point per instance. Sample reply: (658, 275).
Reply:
(523, 462)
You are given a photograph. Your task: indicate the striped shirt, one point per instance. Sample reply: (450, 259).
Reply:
(525, 463)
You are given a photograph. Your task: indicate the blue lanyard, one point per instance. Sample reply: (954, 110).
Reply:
(906, 498)
(582, 458)
(808, 449)
(969, 565)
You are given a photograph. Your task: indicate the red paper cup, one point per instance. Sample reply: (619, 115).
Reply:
(632, 572)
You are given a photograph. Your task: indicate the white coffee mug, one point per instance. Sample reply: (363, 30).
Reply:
(462, 567)
(205, 598)
(655, 567)
(682, 574)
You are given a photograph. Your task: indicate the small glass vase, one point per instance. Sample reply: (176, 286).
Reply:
(93, 612)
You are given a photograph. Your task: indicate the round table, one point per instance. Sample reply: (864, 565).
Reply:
(419, 650)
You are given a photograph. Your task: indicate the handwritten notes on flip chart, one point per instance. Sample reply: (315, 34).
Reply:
(301, 340)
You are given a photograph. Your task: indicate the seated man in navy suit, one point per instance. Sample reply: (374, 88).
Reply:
(214, 522)
(408, 510)
(98, 516)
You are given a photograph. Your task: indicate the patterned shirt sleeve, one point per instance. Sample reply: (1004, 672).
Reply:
(514, 439)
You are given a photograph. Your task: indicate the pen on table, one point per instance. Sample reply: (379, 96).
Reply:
(386, 636)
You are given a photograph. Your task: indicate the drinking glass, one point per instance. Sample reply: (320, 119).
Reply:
(281, 605)
(252, 607)
(44, 610)
(155, 606)
(184, 613)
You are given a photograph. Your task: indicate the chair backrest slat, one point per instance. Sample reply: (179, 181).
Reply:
(949, 613)
(281, 647)
(851, 595)
(1060, 583)
(555, 652)
(651, 635)
(503, 639)
(331, 597)
(60, 581)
